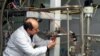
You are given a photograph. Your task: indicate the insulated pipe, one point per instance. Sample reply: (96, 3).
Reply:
(1, 35)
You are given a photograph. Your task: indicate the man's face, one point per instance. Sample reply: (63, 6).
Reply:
(35, 26)
(35, 31)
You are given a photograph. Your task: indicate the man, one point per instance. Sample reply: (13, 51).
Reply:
(20, 43)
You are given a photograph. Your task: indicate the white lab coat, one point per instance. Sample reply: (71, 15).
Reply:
(20, 44)
(38, 41)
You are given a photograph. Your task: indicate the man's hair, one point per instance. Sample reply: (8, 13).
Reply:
(28, 25)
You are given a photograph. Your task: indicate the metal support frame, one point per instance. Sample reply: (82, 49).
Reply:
(52, 53)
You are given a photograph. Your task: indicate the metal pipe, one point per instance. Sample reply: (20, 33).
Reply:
(88, 25)
(1, 35)
(71, 8)
(82, 32)
(88, 35)
(68, 31)
(87, 32)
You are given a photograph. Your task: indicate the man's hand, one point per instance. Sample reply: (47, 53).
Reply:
(52, 42)
(53, 38)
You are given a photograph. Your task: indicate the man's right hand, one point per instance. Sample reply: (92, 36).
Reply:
(51, 44)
